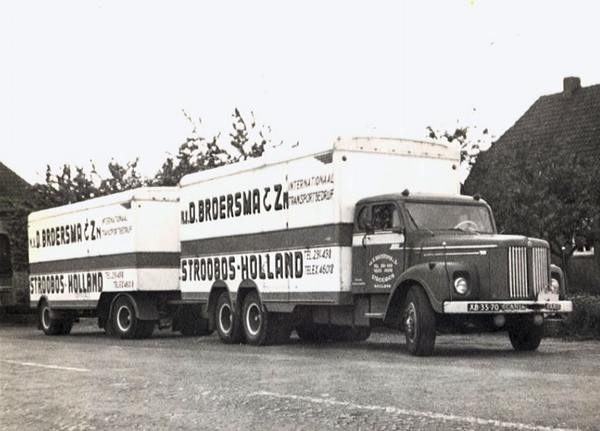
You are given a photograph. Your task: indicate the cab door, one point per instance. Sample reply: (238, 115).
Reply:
(378, 248)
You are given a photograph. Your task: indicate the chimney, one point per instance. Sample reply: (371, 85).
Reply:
(570, 85)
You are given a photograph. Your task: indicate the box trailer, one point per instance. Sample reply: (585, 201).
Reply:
(366, 232)
(114, 257)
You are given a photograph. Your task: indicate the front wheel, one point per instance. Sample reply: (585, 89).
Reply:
(419, 323)
(524, 335)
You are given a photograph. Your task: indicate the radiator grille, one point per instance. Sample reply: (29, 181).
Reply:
(518, 278)
(540, 269)
(517, 272)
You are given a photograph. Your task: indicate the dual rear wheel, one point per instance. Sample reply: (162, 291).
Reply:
(254, 324)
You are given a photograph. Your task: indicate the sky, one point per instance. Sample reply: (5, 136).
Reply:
(95, 81)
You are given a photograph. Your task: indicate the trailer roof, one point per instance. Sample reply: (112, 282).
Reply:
(392, 146)
(168, 194)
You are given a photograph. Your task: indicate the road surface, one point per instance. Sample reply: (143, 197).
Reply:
(89, 381)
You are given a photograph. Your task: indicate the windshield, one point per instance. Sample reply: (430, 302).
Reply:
(440, 216)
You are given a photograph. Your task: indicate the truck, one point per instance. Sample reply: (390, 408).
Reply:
(369, 232)
(328, 243)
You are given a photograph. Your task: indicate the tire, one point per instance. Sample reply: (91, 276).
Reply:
(109, 328)
(524, 335)
(124, 320)
(419, 323)
(49, 325)
(260, 326)
(227, 322)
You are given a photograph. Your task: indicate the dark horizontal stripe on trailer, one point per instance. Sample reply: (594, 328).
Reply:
(330, 235)
(108, 262)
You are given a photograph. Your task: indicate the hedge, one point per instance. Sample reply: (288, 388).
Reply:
(584, 321)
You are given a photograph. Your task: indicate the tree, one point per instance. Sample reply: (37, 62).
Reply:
(197, 153)
(469, 147)
(554, 195)
(121, 178)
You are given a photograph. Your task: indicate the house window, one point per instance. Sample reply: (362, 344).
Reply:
(584, 249)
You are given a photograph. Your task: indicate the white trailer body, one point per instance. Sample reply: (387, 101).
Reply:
(284, 226)
(122, 243)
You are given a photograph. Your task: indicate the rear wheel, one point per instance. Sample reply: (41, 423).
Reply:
(419, 323)
(524, 335)
(227, 322)
(260, 326)
(50, 325)
(125, 322)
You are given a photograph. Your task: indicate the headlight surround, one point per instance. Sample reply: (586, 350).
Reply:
(461, 285)
(554, 285)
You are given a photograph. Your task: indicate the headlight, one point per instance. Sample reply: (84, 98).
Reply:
(461, 285)
(554, 285)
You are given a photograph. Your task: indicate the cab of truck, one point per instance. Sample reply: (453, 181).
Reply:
(443, 260)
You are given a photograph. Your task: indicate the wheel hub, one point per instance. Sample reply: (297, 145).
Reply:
(46, 317)
(225, 319)
(124, 318)
(411, 318)
(253, 319)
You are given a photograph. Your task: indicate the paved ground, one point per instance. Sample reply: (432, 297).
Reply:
(88, 381)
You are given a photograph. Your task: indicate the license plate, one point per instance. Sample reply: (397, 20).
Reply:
(494, 307)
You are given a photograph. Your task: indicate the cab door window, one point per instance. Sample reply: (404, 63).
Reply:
(386, 217)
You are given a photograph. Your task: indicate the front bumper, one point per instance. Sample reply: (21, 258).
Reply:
(507, 307)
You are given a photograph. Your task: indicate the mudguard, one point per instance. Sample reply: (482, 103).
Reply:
(436, 280)
(556, 271)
